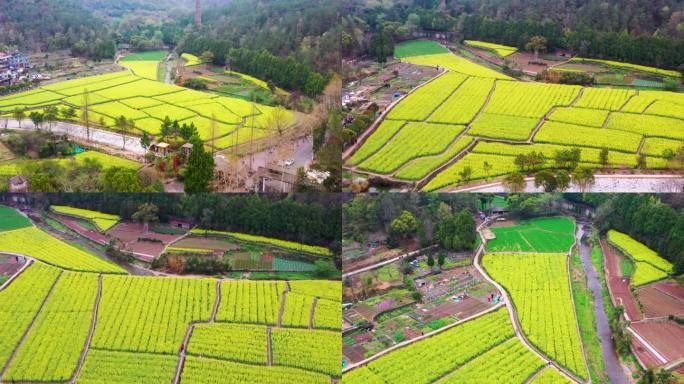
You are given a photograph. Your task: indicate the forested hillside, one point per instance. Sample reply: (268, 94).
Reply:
(639, 31)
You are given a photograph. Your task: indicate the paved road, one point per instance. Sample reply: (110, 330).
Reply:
(604, 183)
(99, 136)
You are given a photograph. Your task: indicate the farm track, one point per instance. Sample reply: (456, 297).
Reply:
(28, 329)
(183, 353)
(217, 303)
(512, 311)
(282, 309)
(312, 312)
(269, 350)
(91, 332)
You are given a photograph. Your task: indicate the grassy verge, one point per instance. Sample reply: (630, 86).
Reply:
(584, 307)
(626, 267)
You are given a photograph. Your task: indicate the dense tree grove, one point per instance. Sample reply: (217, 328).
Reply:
(309, 218)
(637, 31)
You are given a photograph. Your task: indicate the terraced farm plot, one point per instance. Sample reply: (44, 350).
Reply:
(103, 221)
(20, 302)
(131, 305)
(587, 155)
(654, 146)
(323, 289)
(297, 310)
(148, 102)
(208, 128)
(54, 344)
(202, 370)
(421, 167)
(14, 167)
(512, 361)
(327, 314)
(580, 116)
(638, 251)
(316, 351)
(235, 342)
(418, 48)
(500, 165)
(456, 64)
(554, 234)
(637, 67)
(532, 100)
(540, 290)
(666, 108)
(604, 98)
(503, 127)
(146, 69)
(558, 133)
(256, 302)
(413, 141)
(427, 360)
(422, 102)
(127, 367)
(501, 50)
(386, 130)
(550, 375)
(645, 273)
(647, 125)
(464, 104)
(37, 244)
(190, 60)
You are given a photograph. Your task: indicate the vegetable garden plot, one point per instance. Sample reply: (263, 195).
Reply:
(604, 98)
(297, 310)
(512, 361)
(580, 116)
(127, 368)
(529, 99)
(35, 243)
(503, 127)
(421, 167)
(149, 314)
(280, 264)
(328, 314)
(317, 351)
(456, 64)
(647, 125)
(464, 104)
(413, 141)
(423, 101)
(20, 302)
(377, 140)
(236, 342)
(540, 290)
(256, 302)
(429, 359)
(54, 344)
(208, 371)
(558, 133)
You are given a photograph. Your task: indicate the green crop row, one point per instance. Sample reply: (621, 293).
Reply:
(604, 98)
(421, 167)
(423, 101)
(540, 290)
(464, 104)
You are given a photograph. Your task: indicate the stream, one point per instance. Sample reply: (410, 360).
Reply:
(611, 362)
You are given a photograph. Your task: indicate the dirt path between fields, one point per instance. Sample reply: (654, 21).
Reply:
(28, 329)
(93, 323)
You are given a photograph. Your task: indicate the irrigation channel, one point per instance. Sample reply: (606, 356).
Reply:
(611, 362)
